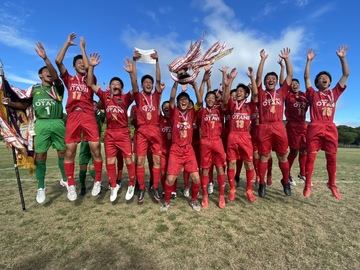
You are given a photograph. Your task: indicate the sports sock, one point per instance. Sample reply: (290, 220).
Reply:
(69, 171)
(284, 168)
(204, 183)
(221, 182)
(111, 172)
(194, 190)
(82, 177)
(310, 161)
(262, 170)
(231, 175)
(302, 163)
(61, 167)
(249, 178)
(40, 173)
(98, 170)
(131, 173)
(140, 175)
(331, 167)
(156, 176)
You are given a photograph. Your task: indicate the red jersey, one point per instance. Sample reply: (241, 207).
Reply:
(271, 103)
(323, 104)
(166, 132)
(240, 115)
(296, 105)
(182, 126)
(147, 108)
(210, 122)
(115, 109)
(79, 94)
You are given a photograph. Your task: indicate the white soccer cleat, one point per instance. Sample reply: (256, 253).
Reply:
(40, 196)
(129, 193)
(96, 188)
(210, 188)
(63, 183)
(72, 196)
(113, 193)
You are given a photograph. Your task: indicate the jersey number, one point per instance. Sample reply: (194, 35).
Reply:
(47, 109)
(239, 123)
(76, 95)
(326, 111)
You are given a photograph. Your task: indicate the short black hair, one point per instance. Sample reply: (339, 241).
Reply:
(183, 94)
(322, 73)
(117, 79)
(232, 91)
(147, 77)
(162, 105)
(77, 57)
(271, 74)
(245, 87)
(41, 69)
(296, 80)
(210, 93)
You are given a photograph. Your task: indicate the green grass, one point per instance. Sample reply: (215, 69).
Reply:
(275, 232)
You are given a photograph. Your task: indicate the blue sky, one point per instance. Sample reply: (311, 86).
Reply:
(113, 28)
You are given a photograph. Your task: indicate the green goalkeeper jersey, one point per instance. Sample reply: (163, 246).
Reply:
(47, 101)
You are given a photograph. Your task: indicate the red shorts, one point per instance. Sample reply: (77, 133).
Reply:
(272, 136)
(181, 157)
(118, 140)
(296, 133)
(148, 136)
(80, 121)
(254, 133)
(212, 152)
(322, 136)
(239, 146)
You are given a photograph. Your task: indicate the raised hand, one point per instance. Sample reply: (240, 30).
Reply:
(281, 62)
(136, 55)
(263, 54)
(82, 43)
(40, 50)
(154, 55)
(162, 86)
(342, 51)
(70, 39)
(284, 53)
(224, 69)
(94, 59)
(310, 54)
(250, 74)
(128, 65)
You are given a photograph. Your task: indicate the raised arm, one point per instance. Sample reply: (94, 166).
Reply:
(227, 83)
(260, 69)
(130, 67)
(253, 88)
(310, 56)
(60, 57)
(199, 100)
(285, 54)
(173, 95)
(341, 53)
(282, 71)
(205, 80)
(83, 53)
(158, 73)
(41, 52)
(94, 61)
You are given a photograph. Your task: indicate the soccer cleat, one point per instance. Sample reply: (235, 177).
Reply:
(307, 191)
(72, 193)
(204, 201)
(40, 196)
(155, 193)
(250, 195)
(186, 192)
(173, 195)
(302, 177)
(237, 180)
(195, 206)
(96, 188)
(114, 192)
(221, 203)
(164, 207)
(269, 180)
(82, 191)
(232, 193)
(262, 190)
(211, 188)
(130, 193)
(287, 188)
(292, 181)
(334, 191)
(141, 195)
(63, 183)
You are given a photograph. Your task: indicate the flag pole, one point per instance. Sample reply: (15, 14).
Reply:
(13, 148)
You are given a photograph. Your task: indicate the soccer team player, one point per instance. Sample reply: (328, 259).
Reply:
(242, 125)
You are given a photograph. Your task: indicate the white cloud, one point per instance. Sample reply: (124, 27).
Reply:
(321, 11)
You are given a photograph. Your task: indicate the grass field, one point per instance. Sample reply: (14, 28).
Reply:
(275, 232)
